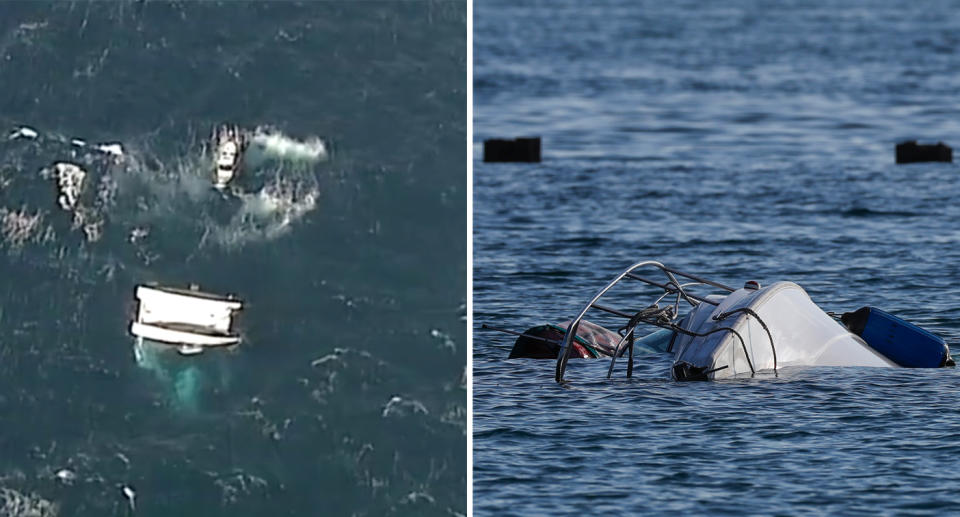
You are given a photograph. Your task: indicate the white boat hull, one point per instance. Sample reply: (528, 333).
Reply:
(179, 337)
(159, 306)
(182, 317)
(802, 335)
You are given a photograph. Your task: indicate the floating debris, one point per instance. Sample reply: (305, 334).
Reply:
(416, 497)
(137, 234)
(397, 406)
(131, 497)
(911, 152)
(516, 150)
(69, 182)
(446, 341)
(114, 149)
(66, 476)
(24, 132)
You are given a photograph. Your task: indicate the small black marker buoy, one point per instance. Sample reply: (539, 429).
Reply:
(516, 150)
(911, 152)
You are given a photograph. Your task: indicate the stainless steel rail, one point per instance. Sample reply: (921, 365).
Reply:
(670, 287)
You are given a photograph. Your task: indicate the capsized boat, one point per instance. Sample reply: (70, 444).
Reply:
(229, 143)
(188, 319)
(734, 332)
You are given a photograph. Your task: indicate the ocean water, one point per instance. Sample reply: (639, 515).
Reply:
(344, 237)
(742, 140)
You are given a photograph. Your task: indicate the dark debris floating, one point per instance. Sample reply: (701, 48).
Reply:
(517, 150)
(911, 152)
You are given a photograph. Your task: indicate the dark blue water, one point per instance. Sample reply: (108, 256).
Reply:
(345, 238)
(740, 141)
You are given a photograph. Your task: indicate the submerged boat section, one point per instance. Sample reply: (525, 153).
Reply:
(730, 332)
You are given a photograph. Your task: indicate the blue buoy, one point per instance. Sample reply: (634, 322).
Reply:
(900, 341)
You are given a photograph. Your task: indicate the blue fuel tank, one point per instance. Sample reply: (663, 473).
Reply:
(900, 341)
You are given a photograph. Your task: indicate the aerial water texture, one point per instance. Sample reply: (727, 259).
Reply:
(741, 141)
(344, 236)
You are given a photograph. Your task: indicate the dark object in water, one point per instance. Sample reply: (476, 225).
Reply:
(911, 152)
(516, 150)
(543, 342)
(900, 341)
(592, 342)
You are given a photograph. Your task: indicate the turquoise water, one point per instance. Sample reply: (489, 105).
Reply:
(347, 393)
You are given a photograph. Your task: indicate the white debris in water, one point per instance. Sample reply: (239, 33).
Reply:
(446, 341)
(77, 142)
(327, 358)
(397, 406)
(24, 132)
(131, 497)
(66, 476)
(114, 149)
(70, 182)
(93, 231)
(137, 234)
(415, 497)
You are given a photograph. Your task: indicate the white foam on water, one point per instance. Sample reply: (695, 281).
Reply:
(269, 144)
(446, 342)
(18, 504)
(266, 214)
(186, 381)
(133, 189)
(21, 226)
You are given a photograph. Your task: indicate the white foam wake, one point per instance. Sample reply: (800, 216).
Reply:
(269, 144)
(19, 504)
(267, 213)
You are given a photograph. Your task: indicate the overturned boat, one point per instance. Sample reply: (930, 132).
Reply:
(229, 144)
(734, 332)
(188, 319)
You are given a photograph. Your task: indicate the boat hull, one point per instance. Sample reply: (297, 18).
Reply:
(184, 317)
(800, 334)
(179, 337)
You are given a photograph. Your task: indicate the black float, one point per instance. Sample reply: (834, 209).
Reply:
(911, 152)
(516, 150)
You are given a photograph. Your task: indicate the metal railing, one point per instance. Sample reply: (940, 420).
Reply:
(651, 314)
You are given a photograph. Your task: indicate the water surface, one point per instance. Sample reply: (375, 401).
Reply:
(345, 238)
(738, 141)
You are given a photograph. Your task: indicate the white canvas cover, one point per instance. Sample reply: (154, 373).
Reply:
(802, 333)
